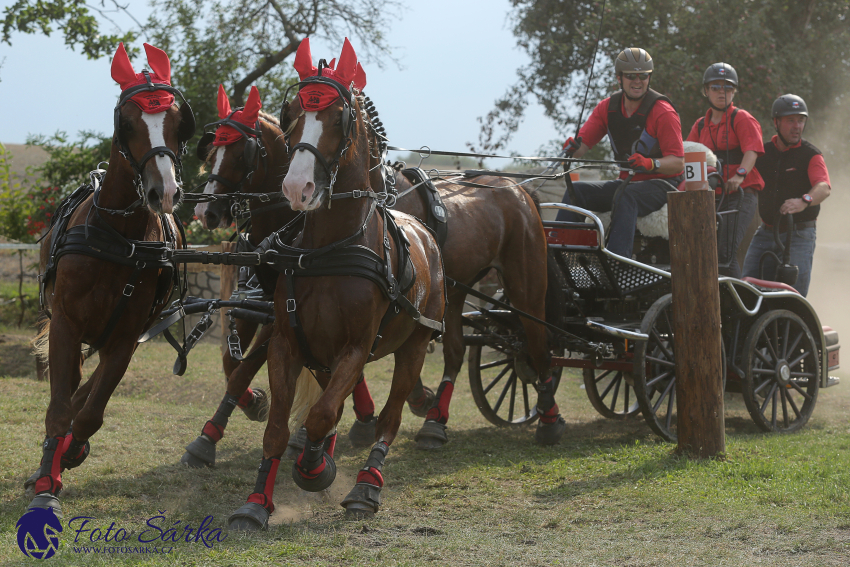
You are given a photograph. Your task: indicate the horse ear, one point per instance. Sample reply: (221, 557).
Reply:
(252, 106)
(159, 63)
(304, 60)
(122, 69)
(332, 64)
(187, 123)
(360, 78)
(205, 146)
(346, 69)
(223, 103)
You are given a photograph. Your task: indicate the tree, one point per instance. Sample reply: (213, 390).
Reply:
(74, 18)
(777, 46)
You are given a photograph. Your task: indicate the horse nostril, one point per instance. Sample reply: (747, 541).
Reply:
(212, 220)
(303, 198)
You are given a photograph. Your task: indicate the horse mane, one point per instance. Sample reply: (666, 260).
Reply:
(370, 117)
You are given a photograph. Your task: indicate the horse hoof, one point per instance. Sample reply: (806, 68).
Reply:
(296, 444)
(199, 453)
(48, 502)
(357, 511)
(363, 501)
(29, 484)
(550, 433)
(250, 517)
(432, 435)
(323, 480)
(421, 406)
(258, 409)
(362, 433)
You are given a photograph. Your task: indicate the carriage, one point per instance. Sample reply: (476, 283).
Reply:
(611, 316)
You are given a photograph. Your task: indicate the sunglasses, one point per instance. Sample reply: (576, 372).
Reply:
(718, 88)
(634, 76)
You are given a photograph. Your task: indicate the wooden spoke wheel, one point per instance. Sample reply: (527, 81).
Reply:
(611, 392)
(782, 376)
(655, 369)
(502, 385)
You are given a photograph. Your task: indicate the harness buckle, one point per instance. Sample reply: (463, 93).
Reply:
(290, 305)
(357, 193)
(128, 290)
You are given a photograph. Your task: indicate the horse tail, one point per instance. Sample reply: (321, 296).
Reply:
(535, 198)
(41, 342)
(307, 392)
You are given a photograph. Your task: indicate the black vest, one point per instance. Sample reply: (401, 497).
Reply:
(628, 135)
(730, 156)
(786, 176)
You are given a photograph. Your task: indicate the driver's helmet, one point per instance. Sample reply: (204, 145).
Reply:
(633, 60)
(787, 105)
(720, 72)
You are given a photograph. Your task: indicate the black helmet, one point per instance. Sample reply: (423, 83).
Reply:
(720, 72)
(789, 104)
(633, 60)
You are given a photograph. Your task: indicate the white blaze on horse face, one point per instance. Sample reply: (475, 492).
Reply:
(209, 188)
(156, 133)
(299, 183)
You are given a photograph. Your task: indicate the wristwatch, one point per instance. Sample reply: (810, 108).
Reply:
(656, 165)
(807, 199)
(741, 171)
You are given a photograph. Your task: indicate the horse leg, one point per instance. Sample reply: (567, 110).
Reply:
(362, 432)
(284, 370)
(201, 452)
(66, 371)
(314, 469)
(69, 450)
(433, 435)
(364, 500)
(527, 291)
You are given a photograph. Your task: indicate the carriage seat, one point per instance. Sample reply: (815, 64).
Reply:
(655, 223)
(769, 284)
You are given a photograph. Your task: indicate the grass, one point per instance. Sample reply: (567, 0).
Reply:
(610, 494)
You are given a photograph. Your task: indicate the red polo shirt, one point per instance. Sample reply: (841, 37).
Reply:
(662, 123)
(745, 134)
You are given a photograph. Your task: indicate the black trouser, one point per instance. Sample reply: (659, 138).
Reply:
(732, 230)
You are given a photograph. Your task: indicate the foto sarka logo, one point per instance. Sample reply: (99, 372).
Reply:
(38, 533)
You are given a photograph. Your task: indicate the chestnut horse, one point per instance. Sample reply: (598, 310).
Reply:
(246, 153)
(504, 232)
(337, 323)
(105, 259)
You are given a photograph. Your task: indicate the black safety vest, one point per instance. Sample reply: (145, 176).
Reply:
(628, 135)
(786, 176)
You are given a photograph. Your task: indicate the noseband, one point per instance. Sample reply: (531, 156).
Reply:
(161, 151)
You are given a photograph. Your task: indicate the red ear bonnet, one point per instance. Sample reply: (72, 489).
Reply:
(345, 71)
(123, 74)
(248, 116)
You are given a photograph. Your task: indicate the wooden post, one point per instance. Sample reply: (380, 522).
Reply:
(227, 284)
(696, 323)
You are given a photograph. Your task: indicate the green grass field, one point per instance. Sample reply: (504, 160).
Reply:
(609, 494)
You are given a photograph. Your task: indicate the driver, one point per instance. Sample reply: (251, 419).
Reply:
(643, 129)
(796, 182)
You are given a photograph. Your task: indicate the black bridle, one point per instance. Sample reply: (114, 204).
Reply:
(349, 118)
(161, 151)
(253, 152)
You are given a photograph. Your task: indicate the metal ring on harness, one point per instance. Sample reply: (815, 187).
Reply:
(132, 250)
(299, 261)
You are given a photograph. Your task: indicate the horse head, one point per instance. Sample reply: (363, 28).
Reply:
(325, 136)
(151, 133)
(243, 154)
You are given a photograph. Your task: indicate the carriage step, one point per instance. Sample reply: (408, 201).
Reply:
(832, 381)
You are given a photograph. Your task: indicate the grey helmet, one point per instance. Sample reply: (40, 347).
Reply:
(787, 105)
(720, 72)
(633, 60)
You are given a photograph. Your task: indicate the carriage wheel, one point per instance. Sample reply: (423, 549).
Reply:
(611, 392)
(783, 372)
(503, 386)
(655, 369)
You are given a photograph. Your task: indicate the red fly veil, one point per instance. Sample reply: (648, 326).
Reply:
(123, 73)
(347, 72)
(225, 134)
